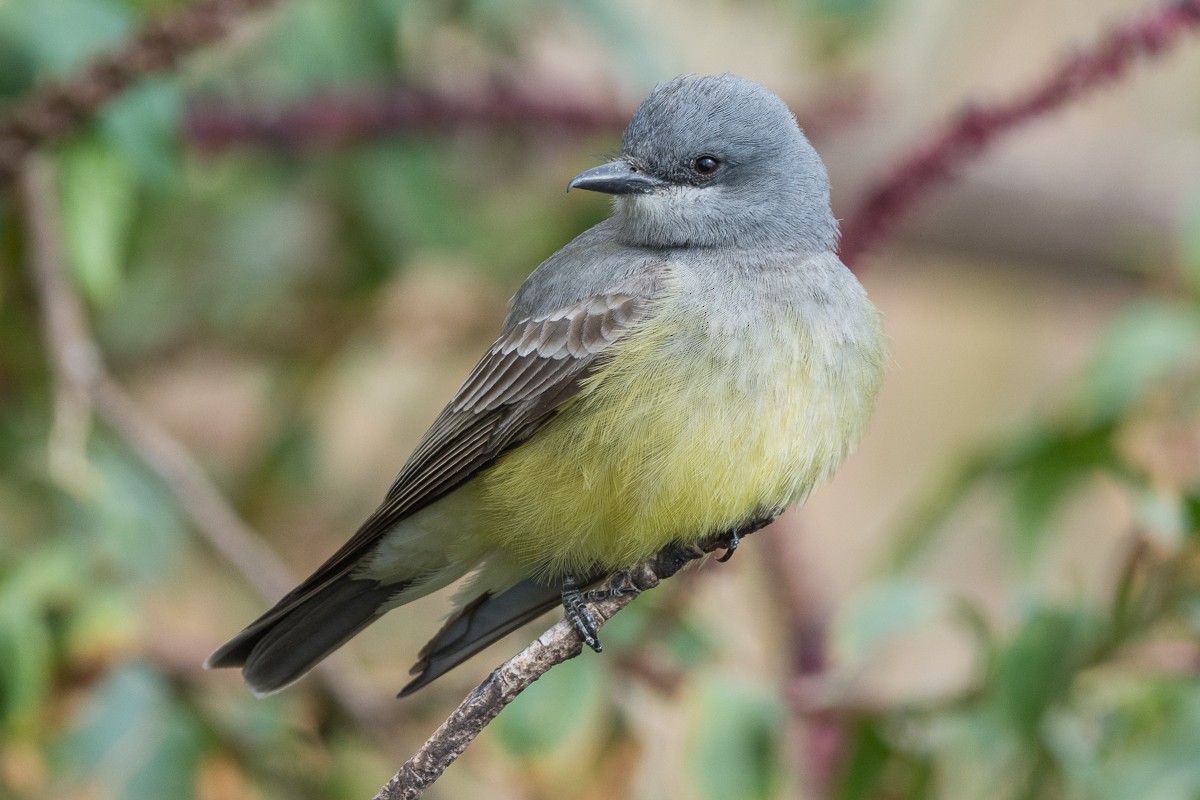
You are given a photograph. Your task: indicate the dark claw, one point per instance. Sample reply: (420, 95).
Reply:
(735, 536)
(734, 540)
(580, 616)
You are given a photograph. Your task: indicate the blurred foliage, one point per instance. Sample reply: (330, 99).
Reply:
(1083, 701)
(280, 266)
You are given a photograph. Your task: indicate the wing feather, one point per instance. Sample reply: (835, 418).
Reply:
(534, 367)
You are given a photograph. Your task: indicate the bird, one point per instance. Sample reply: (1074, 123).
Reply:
(687, 368)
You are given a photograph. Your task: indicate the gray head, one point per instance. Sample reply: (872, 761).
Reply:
(716, 160)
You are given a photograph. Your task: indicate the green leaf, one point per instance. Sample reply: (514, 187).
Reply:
(99, 198)
(45, 582)
(313, 44)
(1191, 512)
(18, 67)
(1146, 345)
(62, 34)
(834, 26)
(1163, 515)
(1047, 467)
(263, 252)
(53, 574)
(1133, 737)
(26, 662)
(403, 197)
(143, 127)
(978, 755)
(129, 523)
(1189, 244)
(640, 53)
(132, 740)
(1036, 669)
(689, 642)
(869, 754)
(922, 529)
(876, 768)
(553, 711)
(737, 740)
(847, 8)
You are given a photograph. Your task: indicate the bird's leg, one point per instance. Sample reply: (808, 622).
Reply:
(735, 535)
(671, 558)
(579, 615)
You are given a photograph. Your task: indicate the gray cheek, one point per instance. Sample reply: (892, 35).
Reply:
(685, 207)
(683, 215)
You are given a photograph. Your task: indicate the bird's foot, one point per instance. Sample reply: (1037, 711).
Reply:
(579, 615)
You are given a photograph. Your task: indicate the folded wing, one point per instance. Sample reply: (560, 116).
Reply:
(535, 366)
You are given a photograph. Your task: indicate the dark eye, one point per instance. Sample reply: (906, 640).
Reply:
(706, 165)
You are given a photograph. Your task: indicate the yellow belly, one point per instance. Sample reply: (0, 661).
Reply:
(674, 441)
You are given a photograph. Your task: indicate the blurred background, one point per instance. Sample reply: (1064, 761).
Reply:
(292, 249)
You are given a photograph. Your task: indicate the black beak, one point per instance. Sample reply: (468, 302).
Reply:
(615, 177)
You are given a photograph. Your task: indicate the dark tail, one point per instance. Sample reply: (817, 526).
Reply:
(478, 624)
(280, 646)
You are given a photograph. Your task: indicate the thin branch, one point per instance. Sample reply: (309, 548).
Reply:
(75, 362)
(58, 109)
(82, 378)
(560, 643)
(340, 118)
(976, 128)
(79, 369)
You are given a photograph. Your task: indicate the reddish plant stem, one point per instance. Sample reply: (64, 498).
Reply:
(58, 109)
(976, 128)
(821, 733)
(337, 119)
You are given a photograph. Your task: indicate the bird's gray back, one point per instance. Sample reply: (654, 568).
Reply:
(737, 283)
(588, 265)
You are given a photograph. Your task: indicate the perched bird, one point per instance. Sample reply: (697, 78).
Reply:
(689, 367)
